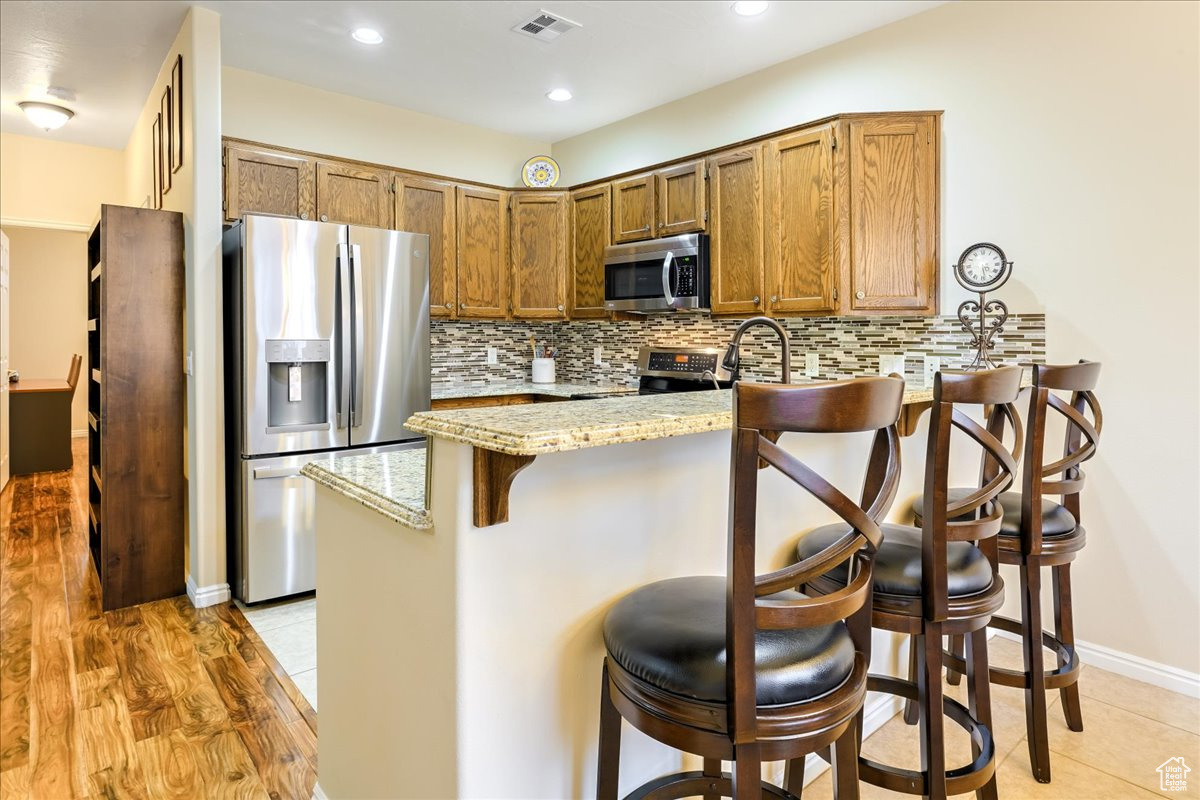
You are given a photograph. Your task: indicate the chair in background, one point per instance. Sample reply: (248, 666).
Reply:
(942, 579)
(73, 372)
(743, 668)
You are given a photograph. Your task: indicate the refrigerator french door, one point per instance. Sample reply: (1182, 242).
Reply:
(328, 334)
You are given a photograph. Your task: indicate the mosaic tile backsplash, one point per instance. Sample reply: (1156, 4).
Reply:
(847, 346)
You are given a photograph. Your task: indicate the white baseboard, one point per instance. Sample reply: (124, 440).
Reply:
(1140, 669)
(79, 434)
(318, 794)
(204, 596)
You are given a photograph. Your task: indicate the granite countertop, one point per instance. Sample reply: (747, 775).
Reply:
(458, 390)
(532, 430)
(392, 483)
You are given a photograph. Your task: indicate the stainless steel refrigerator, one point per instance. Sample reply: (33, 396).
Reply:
(327, 354)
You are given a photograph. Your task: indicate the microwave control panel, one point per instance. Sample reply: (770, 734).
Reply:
(685, 280)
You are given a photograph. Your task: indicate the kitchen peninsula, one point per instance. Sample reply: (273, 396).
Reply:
(464, 661)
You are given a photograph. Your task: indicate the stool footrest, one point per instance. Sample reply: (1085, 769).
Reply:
(692, 784)
(1064, 675)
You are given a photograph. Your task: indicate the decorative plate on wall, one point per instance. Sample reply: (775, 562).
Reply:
(540, 172)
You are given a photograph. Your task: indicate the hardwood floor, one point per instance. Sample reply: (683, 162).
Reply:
(155, 701)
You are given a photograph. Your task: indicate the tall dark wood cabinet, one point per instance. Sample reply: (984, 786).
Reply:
(135, 384)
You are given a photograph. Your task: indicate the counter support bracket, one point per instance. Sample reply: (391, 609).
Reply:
(910, 414)
(493, 477)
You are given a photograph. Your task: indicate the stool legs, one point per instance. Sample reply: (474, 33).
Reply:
(712, 769)
(956, 647)
(1035, 669)
(912, 714)
(979, 694)
(610, 743)
(932, 722)
(1064, 631)
(793, 776)
(845, 765)
(747, 772)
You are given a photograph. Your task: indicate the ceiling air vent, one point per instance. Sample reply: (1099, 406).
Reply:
(545, 27)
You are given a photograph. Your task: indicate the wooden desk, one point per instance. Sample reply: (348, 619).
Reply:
(40, 425)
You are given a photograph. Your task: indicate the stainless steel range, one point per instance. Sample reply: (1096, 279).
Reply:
(663, 370)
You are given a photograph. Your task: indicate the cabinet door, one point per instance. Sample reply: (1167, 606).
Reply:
(353, 195)
(482, 253)
(633, 209)
(893, 214)
(736, 247)
(801, 270)
(681, 199)
(263, 182)
(424, 206)
(591, 232)
(539, 255)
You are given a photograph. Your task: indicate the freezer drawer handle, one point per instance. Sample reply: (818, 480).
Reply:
(275, 472)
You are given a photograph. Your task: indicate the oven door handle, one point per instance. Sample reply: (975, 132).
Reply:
(668, 295)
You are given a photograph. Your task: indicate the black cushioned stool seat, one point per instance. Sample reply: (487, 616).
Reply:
(1056, 520)
(898, 562)
(671, 634)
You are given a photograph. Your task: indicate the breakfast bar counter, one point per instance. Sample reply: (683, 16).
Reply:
(463, 660)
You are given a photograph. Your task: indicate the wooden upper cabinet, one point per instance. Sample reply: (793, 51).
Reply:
(425, 206)
(736, 246)
(539, 255)
(681, 199)
(633, 209)
(482, 252)
(893, 213)
(264, 182)
(353, 195)
(591, 232)
(801, 268)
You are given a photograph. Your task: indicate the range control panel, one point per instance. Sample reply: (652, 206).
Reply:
(682, 362)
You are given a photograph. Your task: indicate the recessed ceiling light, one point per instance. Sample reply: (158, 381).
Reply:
(367, 35)
(749, 8)
(559, 95)
(46, 115)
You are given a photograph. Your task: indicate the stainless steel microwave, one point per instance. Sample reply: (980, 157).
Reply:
(659, 275)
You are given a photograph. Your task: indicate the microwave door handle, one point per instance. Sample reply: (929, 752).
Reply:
(668, 295)
(359, 356)
(343, 377)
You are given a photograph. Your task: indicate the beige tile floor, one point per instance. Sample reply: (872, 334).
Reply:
(289, 629)
(1130, 728)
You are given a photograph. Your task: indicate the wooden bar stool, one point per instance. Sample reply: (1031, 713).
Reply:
(743, 668)
(942, 578)
(1038, 532)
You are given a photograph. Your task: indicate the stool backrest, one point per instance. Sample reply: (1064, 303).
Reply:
(976, 517)
(1082, 439)
(73, 372)
(866, 404)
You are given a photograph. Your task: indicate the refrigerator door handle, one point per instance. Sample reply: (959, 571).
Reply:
(359, 337)
(344, 306)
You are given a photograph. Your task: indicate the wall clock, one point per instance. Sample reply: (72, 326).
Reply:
(981, 268)
(540, 172)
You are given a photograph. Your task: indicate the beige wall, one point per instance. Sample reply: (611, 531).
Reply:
(279, 112)
(196, 193)
(48, 302)
(46, 183)
(1069, 139)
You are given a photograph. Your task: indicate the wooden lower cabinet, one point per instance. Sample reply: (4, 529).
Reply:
(893, 214)
(353, 195)
(482, 249)
(260, 181)
(801, 272)
(736, 246)
(633, 209)
(591, 232)
(425, 206)
(539, 255)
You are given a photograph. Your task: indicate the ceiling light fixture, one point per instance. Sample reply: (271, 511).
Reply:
(749, 8)
(367, 35)
(46, 116)
(559, 95)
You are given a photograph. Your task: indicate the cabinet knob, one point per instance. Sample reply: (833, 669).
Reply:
(560, 308)
(755, 299)
(461, 306)
(774, 298)
(303, 215)
(449, 305)
(324, 218)
(860, 294)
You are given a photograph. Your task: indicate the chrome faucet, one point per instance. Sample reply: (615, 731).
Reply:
(732, 359)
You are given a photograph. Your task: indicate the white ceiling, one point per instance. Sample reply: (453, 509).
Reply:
(107, 53)
(457, 60)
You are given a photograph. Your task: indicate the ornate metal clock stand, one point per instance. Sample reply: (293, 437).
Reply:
(982, 268)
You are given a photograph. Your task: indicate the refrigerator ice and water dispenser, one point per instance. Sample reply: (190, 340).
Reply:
(298, 375)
